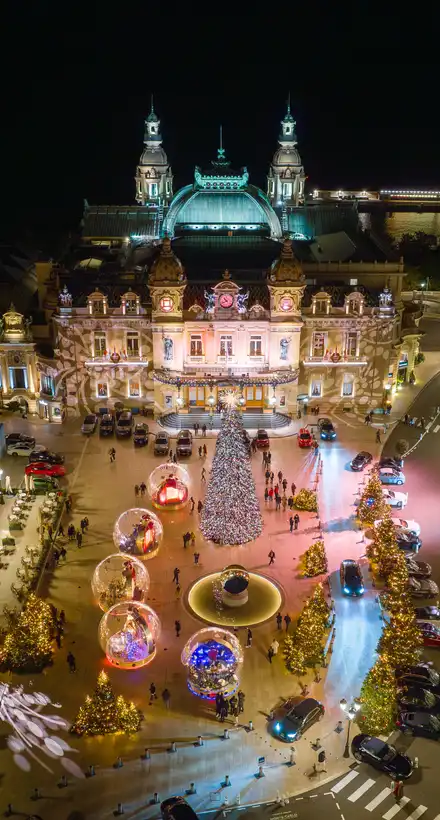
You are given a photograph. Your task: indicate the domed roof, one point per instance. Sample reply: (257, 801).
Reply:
(286, 155)
(166, 268)
(286, 268)
(153, 155)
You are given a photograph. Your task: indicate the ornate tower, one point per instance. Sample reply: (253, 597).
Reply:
(154, 178)
(285, 180)
(286, 287)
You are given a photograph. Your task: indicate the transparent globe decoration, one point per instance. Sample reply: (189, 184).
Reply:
(138, 532)
(213, 657)
(234, 582)
(169, 487)
(128, 634)
(119, 578)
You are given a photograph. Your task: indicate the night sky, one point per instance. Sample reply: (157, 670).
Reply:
(77, 84)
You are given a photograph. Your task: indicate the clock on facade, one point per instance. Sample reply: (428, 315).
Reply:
(286, 303)
(226, 300)
(166, 304)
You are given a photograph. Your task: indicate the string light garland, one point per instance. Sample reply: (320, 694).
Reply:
(306, 500)
(27, 647)
(372, 505)
(231, 513)
(315, 560)
(378, 698)
(306, 648)
(103, 713)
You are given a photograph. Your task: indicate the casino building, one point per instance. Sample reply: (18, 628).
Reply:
(167, 303)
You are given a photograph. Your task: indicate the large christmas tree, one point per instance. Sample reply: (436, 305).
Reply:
(27, 647)
(104, 714)
(378, 697)
(231, 514)
(371, 503)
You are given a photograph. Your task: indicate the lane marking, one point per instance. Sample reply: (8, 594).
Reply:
(361, 790)
(379, 799)
(79, 465)
(417, 813)
(344, 782)
(392, 812)
(429, 425)
(435, 430)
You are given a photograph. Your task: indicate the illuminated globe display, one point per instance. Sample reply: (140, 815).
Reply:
(119, 578)
(169, 487)
(128, 634)
(213, 657)
(138, 532)
(234, 582)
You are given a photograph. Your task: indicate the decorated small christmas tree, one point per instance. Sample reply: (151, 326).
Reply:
(371, 505)
(378, 698)
(294, 657)
(315, 560)
(401, 639)
(104, 714)
(27, 647)
(384, 547)
(306, 500)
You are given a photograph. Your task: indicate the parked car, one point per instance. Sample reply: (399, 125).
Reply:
(305, 438)
(176, 808)
(419, 723)
(415, 698)
(262, 439)
(387, 475)
(124, 424)
(19, 448)
(41, 453)
(45, 468)
(394, 462)
(89, 424)
(431, 635)
(360, 461)
(352, 582)
(407, 541)
(403, 525)
(422, 674)
(382, 756)
(45, 484)
(184, 443)
(11, 438)
(418, 569)
(161, 444)
(107, 425)
(326, 430)
(395, 498)
(427, 613)
(295, 716)
(422, 589)
(140, 434)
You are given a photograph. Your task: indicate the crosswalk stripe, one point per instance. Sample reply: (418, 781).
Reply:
(390, 814)
(435, 430)
(417, 813)
(361, 790)
(429, 425)
(344, 782)
(379, 799)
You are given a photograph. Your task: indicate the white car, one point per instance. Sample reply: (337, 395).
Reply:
(20, 448)
(422, 589)
(402, 525)
(395, 499)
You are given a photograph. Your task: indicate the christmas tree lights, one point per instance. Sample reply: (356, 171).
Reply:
(306, 500)
(401, 639)
(28, 645)
(294, 657)
(378, 698)
(371, 505)
(315, 560)
(231, 513)
(306, 648)
(104, 714)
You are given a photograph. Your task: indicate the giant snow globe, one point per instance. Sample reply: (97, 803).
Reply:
(128, 634)
(169, 487)
(234, 583)
(213, 657)
(119, 578)
(138, 532)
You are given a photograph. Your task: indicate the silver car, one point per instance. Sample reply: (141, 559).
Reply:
(161, 444)
(422, 589)
(89, 424)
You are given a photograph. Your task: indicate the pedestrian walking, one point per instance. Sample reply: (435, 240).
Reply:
(277, 502)
(204, 430)
(143, 487)
(279, 620)
(166, 697)
(321, 765)
(378, 438)
(233, 705)
(203, 475)
(275, 646)
(178, 591)
(63, 553)
(79, 539)
(200, 451)
(287, 621)
(270, 494)
(192, 536)
(269, 457)
(276, 489)
(398, 790)
(406, 418)
(271, 557)
(272, 476)
(296, 520)
(422, 423)
(56, 557)
(176, 575)
(61, 531)
(263, 458)
(153, 695)
(224, 709)
(71, 661)
(290, 502)
(175, 458)
(267, 476)
(205, 451)
(249, 639)
(284, 502)
(266, 494)
(83, 526)
(62, 616)
(185, 540)
(170, 457)
(58, 639)
(199, 507)
(177, 627)
(270, 654)
(240, 697)
(68, 503)
(218, 703)
(71, 532)
(192, 502)
(86, 522)
(367, 419)
(136, 490)
(293, 487)
(196, 558)
(112, 454)
(284, 484)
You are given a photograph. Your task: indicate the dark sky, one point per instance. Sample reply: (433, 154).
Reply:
(76, 86)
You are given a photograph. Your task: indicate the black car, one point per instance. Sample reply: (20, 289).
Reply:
(107, 425)
(140, 434)
(382, 756)
(417, 698)
(395, 462)
(360, 461)
(352, 582)
(408, 541)
(295, 716)
(326, 430)
(176, 808)
(427, 613)
(41, 454)
(420, 675)
(12, 438)
(417, 569)
(419, 723)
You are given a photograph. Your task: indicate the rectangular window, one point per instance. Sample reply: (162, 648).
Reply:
(132, 344)
(287, 189)
(258, 393)
(134, 388)
(225, 345)
(18, 378)
(201, 394)
(47, 385)
(192, 396)
(351, 343)
(99, 343)
(102, 390)
(348, 386)
(353, 282)
(316, 388)
(153, 188)
(130, 306)
(249, 393)
(196, 348)
(321, 306)
(255, 346)
(97, 306)
(318, 344)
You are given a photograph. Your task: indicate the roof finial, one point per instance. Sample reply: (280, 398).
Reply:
(152, 106)
(288, 103)
(221, 150)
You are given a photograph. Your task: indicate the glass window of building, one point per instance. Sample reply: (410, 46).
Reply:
(316, 388)
(153, 188)
(97, 306)
(287, 189)
(225, 345)
(318, 344)
(99, 343)
(348, 385)
(132, 343)
(353, 282)
(102, 390)
(134, 388)
(255, 346)
(130, 306)
(18, 378)
(196, 348)
(321, 306)
(351, 343)
(47, 386)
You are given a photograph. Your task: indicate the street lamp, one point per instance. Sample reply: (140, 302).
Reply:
(350, 712)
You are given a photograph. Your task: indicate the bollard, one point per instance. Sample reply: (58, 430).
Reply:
(192, 789)
(9, 810)
(63, 782)
(35, 794)
(119, 764)
(91, 772)
(317, 678)
(155, 797)
(226, 781)
(225, 803)
(238, 799)
(260, 772)
(173, 747)
(119, 810)
(225, 734)
(317, 744)
(339, 727)
(146, 755)
(271, 714)
(251, 725)
(292, 758)
(200, 740)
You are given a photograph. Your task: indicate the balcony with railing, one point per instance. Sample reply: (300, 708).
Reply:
(120, 359)
(334, 360)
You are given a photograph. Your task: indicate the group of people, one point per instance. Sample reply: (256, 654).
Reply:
(233, 706)
(140, 489)
(197, 427)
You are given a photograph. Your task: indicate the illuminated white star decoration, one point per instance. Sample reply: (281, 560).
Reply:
(32, 730)
(229, 398)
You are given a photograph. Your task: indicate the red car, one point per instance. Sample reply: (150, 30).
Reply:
(305, 438)
(43, 468)
(262, 439)
(431, 634)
